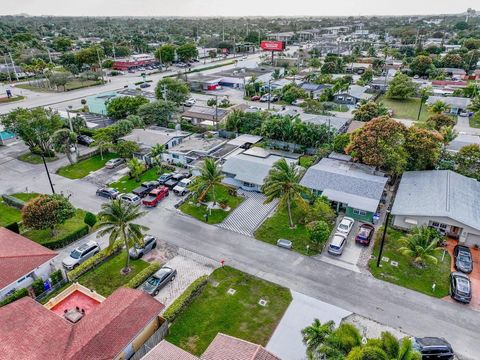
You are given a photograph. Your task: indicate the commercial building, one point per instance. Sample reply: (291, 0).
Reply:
(133, 62)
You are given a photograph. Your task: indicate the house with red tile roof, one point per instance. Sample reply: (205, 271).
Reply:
(223, 347)
(22, 261)
(115, 329)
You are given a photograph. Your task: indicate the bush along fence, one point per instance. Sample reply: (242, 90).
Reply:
(186, 298)
(96, 260)
(67, 239)
(17, 294)
(143, 275)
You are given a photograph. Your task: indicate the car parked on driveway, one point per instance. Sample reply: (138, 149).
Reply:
(158, 280)
(433, 348)
(463, 259)
(345, 225)
(130, 198)
(113, 163)
(154, 197)
(190, 102)
(85, 140)
(180, 176)
(460, 287)
(337, 244)
(364, 234)
(171, 183)
(141, 191)
(80, 254)
(182, 187)
(255, 98)
(109, 193)
(137, 251)
(164, 177)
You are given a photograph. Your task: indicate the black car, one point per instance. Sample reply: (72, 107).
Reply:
(144, 85)
(158, 280)
(460, 287)
(109, 193)
(151, 184)
(85, 140)
(463, 259)
(141, 191)
(164, 177)
(433, 348)
(171, 183)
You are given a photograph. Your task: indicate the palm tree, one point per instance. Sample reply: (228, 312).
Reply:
(421, 245)
(63, 141)
(283, 182)
(340, 342)
(136, 168)
(156, 153)
(116, 221)
(315, 334)
(210, 176)
(449, 134)
(424, 94)
(438, 107)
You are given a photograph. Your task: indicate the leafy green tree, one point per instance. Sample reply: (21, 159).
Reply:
(438, 107)
(475, 104)
(468, 161)
(126, 149)
(136, 167)
(421, 65)
(319, 232)
(401, 87)
(103, 140)
(187, 52)
(283, 183)
(59, 79)
(89, 56)
(210, 177)
(171, 89)
(421, 245)
(157, 112)
(452, 60)
(34, 126)
(244, 122)
(121, 128)
(123, 106)
(449, 134)
(438, 120)
(292, 92)
(165, 54)
(366, 77)
(340, 143)
(315, 335)
(369, 111)
(424, 148)
(117, 221)
(63, 141)
(156, 153)
(136, 120)
(90, 219)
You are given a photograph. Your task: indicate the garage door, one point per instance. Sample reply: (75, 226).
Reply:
(472, 240)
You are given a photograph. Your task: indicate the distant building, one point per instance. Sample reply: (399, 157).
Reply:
(133, 62)
(456, 104)
(353, 95)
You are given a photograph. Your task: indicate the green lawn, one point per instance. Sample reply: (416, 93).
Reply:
(71, 85)
(45, 236)
(35, 159)
(85, 167)
(239, 315)
(475, 121)
(306, 161)
(8, 214)
(405, 109)
(25, 196)
(4, 100)
(406, 274)
(278, 227)
(126, 185)
(107, 277)
(217, 215)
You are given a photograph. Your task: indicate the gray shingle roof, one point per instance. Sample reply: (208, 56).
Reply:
(439, 193)
(452, 101)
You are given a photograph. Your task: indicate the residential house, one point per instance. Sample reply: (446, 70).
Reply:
(454, 72)
(114, 328)
(204, 116)
(336, 123)
(358, 68)
(442, 199)
(314, 90)
(353, 95)
(456, 104)
(354, 188)
(223, 347)
(22, 261)
(463, 140)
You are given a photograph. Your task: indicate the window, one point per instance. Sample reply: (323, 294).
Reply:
(246, 184)
(175, 156)
(359, 212)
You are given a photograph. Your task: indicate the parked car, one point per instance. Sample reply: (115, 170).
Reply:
(298, 102)
(130, 198)
(144, 85)
(171, 183)
(109, 193)
(433, 348)
(137, 251)
(365, 234)
(141, 191)
(180, 175)
(158, 280)
(164, 177)
(460, 287)
(182, 187)
(190, 102)
(131, 71)
(463, 259)
(113, 163)
(85, 140)
(337, 244)
(255, 98)
(154, 197)
(345, 225)
(284, 243)
(80, 254)
(152, 184)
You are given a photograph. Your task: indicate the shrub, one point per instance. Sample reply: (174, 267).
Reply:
(13, 227)
(18, 294)
(183, 300)
(56, 277)
(95, 260)
(90, 219)
(67, 239)
(13, 202)
(38, 287)
(143, 275)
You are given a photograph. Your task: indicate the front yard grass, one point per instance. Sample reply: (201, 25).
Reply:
(25, 196)
(216, 216)
(126, 185)
(84, 167)
(35, 159)
(8, 214)
(278, 227)
(239, 315)
(406, 274)
(405, 109)
(5, 100)
(475, 121)
(107, 277)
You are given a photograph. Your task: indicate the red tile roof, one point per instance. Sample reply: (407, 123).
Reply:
(166, 351)
(19, 256)
(225, 347)
(30, 331)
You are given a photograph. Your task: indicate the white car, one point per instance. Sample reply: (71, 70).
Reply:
(337, 244)
(182, 187)
(345, 225)
(190, 102)
(80, 254)
(130, 198)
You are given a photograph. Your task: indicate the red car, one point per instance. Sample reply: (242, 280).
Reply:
(255, 98)
(153, 198)
(365, 234)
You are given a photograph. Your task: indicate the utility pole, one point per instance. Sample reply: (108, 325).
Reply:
(13, 65)
(216, 111)
(383, 238)
(8, 71)
(100, 64)
(269, 92)
(48, 173)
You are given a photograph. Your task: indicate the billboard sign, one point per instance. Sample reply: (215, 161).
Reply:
(273, 45)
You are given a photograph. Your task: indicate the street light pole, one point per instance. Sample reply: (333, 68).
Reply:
(48, 173)
(269, 93)
(383, 238)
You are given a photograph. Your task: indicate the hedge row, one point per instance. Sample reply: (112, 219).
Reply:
(56, 277)
(183, 300)
(143, 275)
(67, 239)
(18, 294)
(13, 201)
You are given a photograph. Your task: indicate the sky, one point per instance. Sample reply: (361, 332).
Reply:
(233, 7)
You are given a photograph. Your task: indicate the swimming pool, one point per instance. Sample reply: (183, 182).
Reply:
(5, 135)
(96, 104)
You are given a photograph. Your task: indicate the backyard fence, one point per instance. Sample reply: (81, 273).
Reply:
(156, 337)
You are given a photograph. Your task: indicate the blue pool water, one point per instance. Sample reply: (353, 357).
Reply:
(5, 135)
(96, 104)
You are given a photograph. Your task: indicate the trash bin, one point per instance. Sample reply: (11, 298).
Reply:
(376, 218)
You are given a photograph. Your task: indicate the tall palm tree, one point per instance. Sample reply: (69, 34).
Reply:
(421, 245)
(283, 182)
(340, 342)
(210, 176)
(315, 334)
(438, 107)
(116, 221)
(63, 141)
(156, 153)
